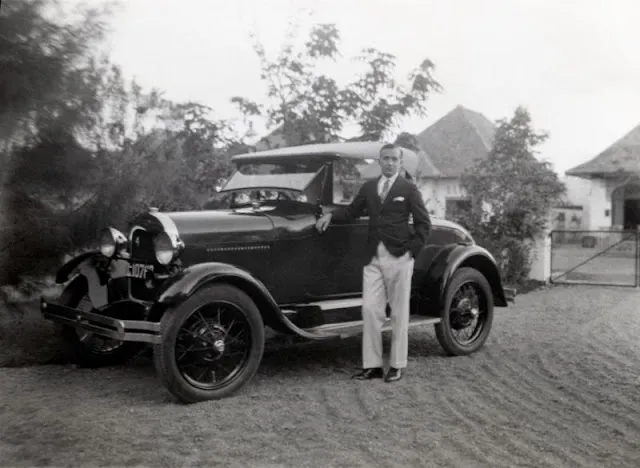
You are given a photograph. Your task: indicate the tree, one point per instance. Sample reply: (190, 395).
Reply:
(512, 193)
(92, 149)
(306, 105)
(409, 141)
(38, 54)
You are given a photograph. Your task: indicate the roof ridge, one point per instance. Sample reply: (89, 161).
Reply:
(474, 124)
(626, 136)
(456, 139)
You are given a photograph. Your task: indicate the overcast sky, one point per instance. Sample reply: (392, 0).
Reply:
(573, 63)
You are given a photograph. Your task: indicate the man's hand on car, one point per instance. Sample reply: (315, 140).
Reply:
(323, 223)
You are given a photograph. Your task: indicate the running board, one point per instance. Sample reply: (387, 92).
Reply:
(335, 304)
(350, 329)
(332, 304)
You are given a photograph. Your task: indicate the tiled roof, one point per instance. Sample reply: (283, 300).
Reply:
(457, 139)
(622, 156)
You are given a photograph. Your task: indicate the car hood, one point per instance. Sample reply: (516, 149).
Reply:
(211, 227)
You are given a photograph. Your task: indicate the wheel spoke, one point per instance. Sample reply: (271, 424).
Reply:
(206, 324)
(225, 369)
(235, 353)
(236, 339)
(204, 372)
(193, 334)
(185, 352)
(233, 322)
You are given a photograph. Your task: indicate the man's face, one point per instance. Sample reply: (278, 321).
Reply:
(390, 162)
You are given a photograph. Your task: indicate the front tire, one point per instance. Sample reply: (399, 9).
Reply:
(212, 344)
(467, 315)
(87, 349)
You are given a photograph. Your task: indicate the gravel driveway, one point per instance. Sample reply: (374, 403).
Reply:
(557, 385)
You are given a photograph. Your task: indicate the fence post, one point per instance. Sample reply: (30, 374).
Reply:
(551, 256)
(541, 257)
(637, 265)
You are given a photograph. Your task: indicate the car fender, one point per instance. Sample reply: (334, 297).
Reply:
(97, 270)
(179, 287)
(69, 269)
(435, 266)
(85, 265)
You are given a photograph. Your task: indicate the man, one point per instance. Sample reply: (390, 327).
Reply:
(392, 245)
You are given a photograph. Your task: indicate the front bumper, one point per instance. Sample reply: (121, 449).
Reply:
(94, 322)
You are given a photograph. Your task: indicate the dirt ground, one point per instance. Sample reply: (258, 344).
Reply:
(557, 385)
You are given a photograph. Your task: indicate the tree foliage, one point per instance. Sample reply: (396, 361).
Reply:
(306, 105)
(39, 58)
(409, 141)
(512, 194)
(88, 148)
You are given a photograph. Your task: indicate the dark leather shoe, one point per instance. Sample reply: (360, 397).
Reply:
(368, 374)
(393, 375)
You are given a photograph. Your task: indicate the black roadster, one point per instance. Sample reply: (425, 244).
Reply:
(206, 288)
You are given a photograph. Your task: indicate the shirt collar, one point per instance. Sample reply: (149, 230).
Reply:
(392, 179)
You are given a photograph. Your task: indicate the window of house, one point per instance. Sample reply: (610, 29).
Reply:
(456, 206)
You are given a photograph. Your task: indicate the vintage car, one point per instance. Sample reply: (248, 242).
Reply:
(206, 288)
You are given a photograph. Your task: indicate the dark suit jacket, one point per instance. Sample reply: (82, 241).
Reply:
(389, 220)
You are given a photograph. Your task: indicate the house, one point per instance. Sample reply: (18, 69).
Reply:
(276, 139)
(273, 140)
(450, 145)
(608, 186)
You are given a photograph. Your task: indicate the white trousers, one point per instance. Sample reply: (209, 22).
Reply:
(386, 279)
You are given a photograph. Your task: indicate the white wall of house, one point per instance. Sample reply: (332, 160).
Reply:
(595, 196)
(436, 192)
(599, 206)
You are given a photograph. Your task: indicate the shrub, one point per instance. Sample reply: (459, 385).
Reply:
(512, 194)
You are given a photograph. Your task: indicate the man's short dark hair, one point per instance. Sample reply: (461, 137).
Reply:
(391, 146)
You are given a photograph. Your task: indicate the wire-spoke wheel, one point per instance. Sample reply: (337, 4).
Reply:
(212, 344)
(467, 315)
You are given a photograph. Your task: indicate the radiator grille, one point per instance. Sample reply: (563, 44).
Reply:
(142, 250)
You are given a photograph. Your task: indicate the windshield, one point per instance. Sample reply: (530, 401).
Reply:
(265, 184)
(240, 198)
(288, 167)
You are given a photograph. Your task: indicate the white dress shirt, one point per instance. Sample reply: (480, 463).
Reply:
(392, 179)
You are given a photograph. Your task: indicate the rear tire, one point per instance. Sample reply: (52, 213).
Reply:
(212, 344)
(468, 306)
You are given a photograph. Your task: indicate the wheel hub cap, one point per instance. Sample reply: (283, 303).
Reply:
(466, 314)
(219, 346)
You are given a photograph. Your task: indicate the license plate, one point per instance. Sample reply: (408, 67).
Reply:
(140, 270)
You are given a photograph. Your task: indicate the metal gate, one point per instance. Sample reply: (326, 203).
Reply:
(608, 258)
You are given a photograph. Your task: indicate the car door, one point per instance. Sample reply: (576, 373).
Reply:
(343, 245)
(298, 270)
